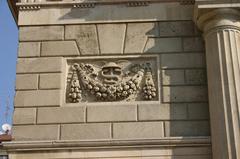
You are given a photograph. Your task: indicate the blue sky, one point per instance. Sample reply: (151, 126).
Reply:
(8, 54)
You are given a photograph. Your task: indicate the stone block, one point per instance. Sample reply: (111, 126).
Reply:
(24, 116)
(61, 115)
(137, 35)
(86, 131)
(196, 76)
(178, 151)
(37, 98)
(85, 36)
(112, 112)
(50, 81)
(29, 49)
(138, 130)
(59, 48)
(111, 38)
(113, 154)
(39, 33)
(177, 28)
(173, 77)
(185, 94)
(163, 45)
(36, 132)
(162, 112)
(26, 81)
(187, 128)
(39, 65)
(198, 111)
(189, 60)
(193, 44)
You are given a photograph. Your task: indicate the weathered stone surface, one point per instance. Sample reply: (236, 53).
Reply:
(38, 98)
(112, 79)
(138, 130)
(61, 115)
(85, 36)
(179, 152)
(112, 113)
(173, 77)
(187, 128)
(26, 82)
(29, 49)
(111, 38)
(109, 14)
(39, 33)
(39, 65)
(185, 94)
(193, 44)
(137, 35)
(194, 76)
(198, 111)
(189, 60)
(59, 48)
(162, 45)
(36, 132)
(162, 112)
(222, 37)
(24, 116)
(177, 28)
(50, 81)
(86, 131)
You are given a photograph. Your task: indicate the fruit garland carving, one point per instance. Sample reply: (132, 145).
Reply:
(84, 77)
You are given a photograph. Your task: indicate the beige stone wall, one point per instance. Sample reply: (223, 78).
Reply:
(176, 125)
(40, 109)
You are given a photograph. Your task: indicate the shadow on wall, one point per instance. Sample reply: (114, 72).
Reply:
(183, 85)
(109, 12)
(183, 78)
(85, 12)
(183, 105)
(183, 81)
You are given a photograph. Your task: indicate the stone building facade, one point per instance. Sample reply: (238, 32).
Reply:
(127, 79)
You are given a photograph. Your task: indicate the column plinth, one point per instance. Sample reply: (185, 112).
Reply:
(221, 28)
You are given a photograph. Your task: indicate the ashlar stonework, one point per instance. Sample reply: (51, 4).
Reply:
(127, 79)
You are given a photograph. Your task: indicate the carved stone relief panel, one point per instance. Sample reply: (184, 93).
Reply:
(109, 79)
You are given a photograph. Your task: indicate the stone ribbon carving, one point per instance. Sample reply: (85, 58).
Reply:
(111, 82)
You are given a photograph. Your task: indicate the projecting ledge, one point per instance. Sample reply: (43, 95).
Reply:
(91, 13)
(107, 144)
(64, 2)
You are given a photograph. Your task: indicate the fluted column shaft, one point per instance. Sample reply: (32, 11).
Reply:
(221, 29)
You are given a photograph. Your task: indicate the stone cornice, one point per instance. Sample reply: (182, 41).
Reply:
(14, 5)
(92, 3)
(58, 2)
(108, 144)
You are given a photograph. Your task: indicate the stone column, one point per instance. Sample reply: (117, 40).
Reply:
(221, 28)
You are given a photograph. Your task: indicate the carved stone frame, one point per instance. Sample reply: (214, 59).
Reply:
(158, 72)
